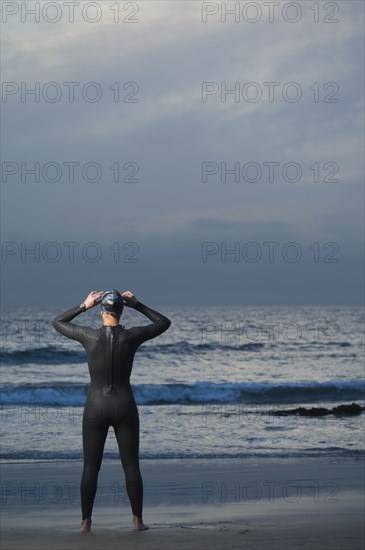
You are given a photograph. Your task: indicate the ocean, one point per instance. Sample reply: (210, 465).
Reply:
(219, 383)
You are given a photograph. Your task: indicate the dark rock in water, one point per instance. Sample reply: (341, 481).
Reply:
(302, 411)
(352, 409)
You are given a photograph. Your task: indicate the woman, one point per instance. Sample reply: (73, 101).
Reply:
(110, 402)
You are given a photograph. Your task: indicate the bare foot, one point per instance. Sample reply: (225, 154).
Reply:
(139, 525)
(85, 525)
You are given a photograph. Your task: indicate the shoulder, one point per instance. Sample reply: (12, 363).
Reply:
(133, 332)
(89, 333)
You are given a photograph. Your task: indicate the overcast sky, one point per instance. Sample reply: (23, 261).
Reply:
(165, 228)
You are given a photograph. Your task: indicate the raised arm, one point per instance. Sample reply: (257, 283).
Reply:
(160, 323)
(62, 322)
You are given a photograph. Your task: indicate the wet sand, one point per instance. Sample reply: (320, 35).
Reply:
(229, 504)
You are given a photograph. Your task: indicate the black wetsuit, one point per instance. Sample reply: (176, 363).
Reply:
(110, 401)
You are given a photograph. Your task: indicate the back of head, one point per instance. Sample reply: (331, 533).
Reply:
(112, 302)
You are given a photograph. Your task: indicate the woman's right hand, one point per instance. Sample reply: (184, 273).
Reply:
(90, 299)
(130, 299)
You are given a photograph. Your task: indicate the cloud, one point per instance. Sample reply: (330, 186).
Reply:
(170, 132)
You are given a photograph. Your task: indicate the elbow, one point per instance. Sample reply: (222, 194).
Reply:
(163, 325)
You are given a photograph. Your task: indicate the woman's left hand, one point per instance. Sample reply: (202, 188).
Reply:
(90, 300)
(129, 298)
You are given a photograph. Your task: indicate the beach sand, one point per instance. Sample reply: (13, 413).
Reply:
(258, 504)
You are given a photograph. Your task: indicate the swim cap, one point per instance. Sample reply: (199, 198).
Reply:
(112, 302)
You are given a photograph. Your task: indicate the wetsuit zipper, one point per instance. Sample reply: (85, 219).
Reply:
(109, 361)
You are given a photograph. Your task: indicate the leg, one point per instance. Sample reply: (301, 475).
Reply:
(127, 434)
(93, 436)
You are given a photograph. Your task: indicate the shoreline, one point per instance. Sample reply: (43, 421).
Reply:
(214, 503)
(357, 455)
